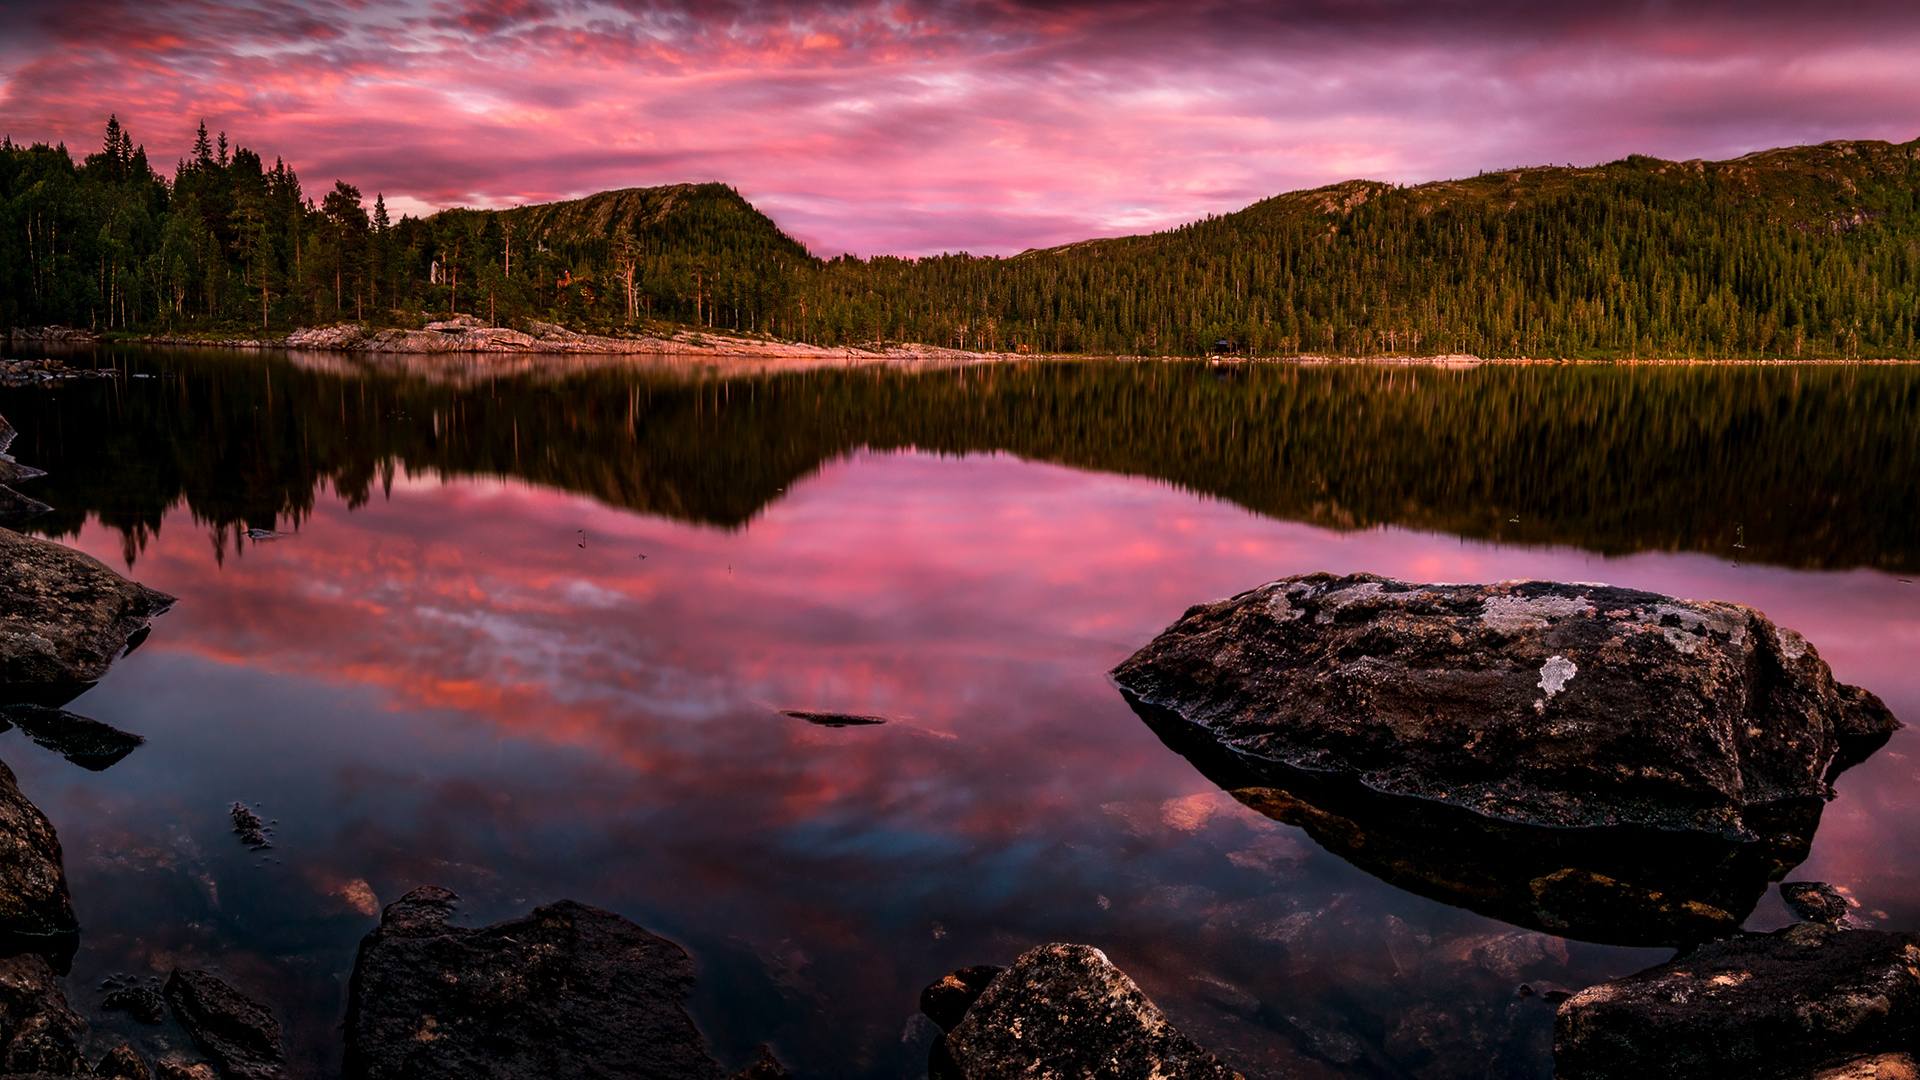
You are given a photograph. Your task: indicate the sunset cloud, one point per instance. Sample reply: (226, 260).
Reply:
(916, 126)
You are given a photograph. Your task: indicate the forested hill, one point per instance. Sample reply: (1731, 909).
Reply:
(1810, 252)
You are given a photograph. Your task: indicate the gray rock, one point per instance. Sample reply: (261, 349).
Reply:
(34, 903)
(238, 1033)
(1782, 1004)
(64, 616)
(1566, 706)
(1815, 901)
(1065, 1012)
(38, 1032)
(566, 993)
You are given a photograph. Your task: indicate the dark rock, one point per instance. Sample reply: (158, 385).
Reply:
(143, 1003)
(122, 1063)
(1780, 1004)
(1895, 1066)
(1591, 761)
(1815, 901)
(15, 505)
(237, 1032)
(64, 616)
(38, 1032)
(34, 903)
(249, 828)
(181, 1070)
(568, 991)
(947, 1000)
(87, 743)
(834, 719)
(1065, 1011)
(1544, 703)
(8, 433)
(12, 472)
(765, 1067)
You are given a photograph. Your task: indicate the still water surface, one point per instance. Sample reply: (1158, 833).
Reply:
(530, 631)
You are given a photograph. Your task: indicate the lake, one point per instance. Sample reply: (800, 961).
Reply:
(527, 631)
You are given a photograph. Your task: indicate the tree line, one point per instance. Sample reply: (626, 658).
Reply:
(1809, 252)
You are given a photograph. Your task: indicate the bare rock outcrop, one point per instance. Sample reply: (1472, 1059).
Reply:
(1801, 1001)
(39, 1033)
(1065, 1011)
(238, 1033)
(565, 993)
(64, 616)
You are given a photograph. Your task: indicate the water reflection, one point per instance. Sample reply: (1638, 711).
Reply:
(476, 682)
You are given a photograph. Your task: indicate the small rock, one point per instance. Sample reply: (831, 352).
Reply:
(122, 1063)
(1066, 1011)
(765, 1067)
(143, 1003)
(1815, 901)
(238, 1033)
(833, 719)
(14, 505)
(180, 1070)
(566, 993)
(67, 616)
(90, 744)
(34, 902)
(1756, 1006)
(39, 1033)
(947, 1000)
(249, 828)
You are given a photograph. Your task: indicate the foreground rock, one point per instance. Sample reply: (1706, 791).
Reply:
(64, 617)
(35, 911)
(1789, 1003)
(237, 1032)
(88, 743)
(1575, 758)
(569, 991)
(39, 1033)
(1065, 1011)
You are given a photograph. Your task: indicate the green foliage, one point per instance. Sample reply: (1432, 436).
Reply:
(1807, 252)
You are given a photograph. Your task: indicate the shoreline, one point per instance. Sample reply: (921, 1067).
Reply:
(467, 337)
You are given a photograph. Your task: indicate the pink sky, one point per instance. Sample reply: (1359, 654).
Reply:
(919, 126)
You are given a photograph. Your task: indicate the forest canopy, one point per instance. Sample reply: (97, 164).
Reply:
(1801, 252)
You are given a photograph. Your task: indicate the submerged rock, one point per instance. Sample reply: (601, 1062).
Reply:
(1782, 1004)
(34, 906)
(64, 616)
(568, 991)
(237, 1032)
(90, 744)
(834, 719)
(39, 1033)
(143, 1003)
(1588, 760)
(1065, 1011)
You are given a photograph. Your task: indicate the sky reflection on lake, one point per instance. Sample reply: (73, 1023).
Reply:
(485, 685)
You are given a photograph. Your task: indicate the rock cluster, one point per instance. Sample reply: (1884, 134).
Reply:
(65, 334)
(47, 369)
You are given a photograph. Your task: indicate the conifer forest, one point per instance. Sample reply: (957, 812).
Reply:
(1806, 252)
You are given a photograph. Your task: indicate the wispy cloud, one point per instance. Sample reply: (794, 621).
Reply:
(918, 125)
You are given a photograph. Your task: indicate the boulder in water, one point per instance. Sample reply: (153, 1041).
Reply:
(64, 616)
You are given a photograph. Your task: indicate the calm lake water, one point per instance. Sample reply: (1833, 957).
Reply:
(529, 632)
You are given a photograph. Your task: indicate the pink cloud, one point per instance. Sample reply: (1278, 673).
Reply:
(910, 127)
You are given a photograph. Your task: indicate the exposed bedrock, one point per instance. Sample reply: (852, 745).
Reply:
(1061, 1011)
(1810, 1000)
(1592, 761)
(64, 618)
(568, 991)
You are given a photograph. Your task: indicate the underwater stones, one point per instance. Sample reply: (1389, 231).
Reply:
(39, 1033)
(1788, 1003)
(34, 902)
(568, 991)
(1535, 702)
(64, 616)
(1066, 1011)
(238, 1033)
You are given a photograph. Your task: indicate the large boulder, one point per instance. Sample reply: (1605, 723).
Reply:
(64, 617)
(36, 912)
(1755, 1007)
(39, 1033)
(569, 991)
(1064, 1012)
(238, 1033)
(1590, 761)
